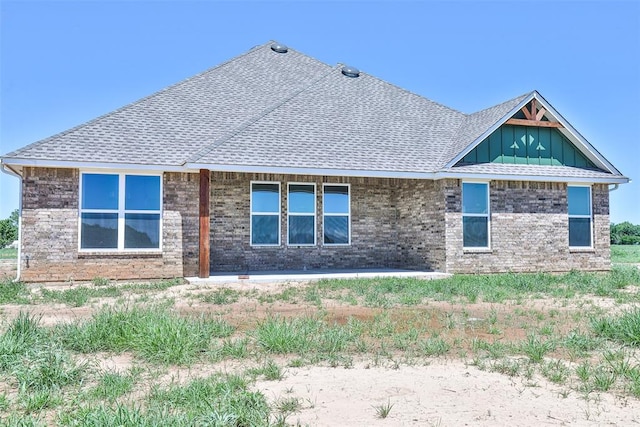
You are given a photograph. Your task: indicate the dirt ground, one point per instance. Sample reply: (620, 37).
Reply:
(445, 391)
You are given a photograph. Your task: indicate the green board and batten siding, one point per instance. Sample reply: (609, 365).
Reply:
(527, 145)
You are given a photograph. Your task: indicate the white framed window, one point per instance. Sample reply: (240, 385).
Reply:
(336, 214)
(301, 214)
(475, 215)
(265, 214)
(580, 216)
(120, 211)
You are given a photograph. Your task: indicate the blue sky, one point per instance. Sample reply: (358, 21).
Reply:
(64, 63)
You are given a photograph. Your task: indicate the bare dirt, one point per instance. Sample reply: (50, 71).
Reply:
(445, 391)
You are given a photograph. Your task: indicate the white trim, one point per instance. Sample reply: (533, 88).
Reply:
(444, 174)
(9, 171)
(251, 214)
(590, 216)
(45, 163)
(324, 214)
(121, 212)
(477, 215)
(306, 214)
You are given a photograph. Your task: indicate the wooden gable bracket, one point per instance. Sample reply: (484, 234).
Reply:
(533, 117)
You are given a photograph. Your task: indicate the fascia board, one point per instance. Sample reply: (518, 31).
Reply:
(47, 163)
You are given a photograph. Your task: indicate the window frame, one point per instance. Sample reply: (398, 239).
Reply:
(590, 216)
(251, 214)
(121, 211)
(325, 214)
(306, 214)
(477, 215)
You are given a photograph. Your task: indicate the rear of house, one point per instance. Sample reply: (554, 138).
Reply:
(275, 161)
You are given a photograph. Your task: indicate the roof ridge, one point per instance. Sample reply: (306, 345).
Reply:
(210, 147)
(140, 100)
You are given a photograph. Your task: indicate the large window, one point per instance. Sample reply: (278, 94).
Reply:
(302, 214)
(120, 211)
(579, 201)
(265, 214)
(336, 214)
(475, 215)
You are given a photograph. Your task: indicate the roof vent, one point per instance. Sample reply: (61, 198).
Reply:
(279, 48)
(350, 71)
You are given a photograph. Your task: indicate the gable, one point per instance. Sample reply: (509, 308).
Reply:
(530, 145)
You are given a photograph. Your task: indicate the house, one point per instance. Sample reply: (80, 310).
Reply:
(274, 160)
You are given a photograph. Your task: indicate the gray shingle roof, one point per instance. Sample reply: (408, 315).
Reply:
(173, 124)
(266, 110)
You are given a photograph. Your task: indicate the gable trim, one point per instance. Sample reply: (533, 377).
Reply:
(581, 144)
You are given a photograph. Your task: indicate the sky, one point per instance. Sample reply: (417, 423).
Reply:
(63, 63)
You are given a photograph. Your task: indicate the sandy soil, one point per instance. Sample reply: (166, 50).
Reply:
(444, 393)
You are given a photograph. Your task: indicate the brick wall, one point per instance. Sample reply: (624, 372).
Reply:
(394, 223)
(374, 226)
(529, 230)
(50, 232)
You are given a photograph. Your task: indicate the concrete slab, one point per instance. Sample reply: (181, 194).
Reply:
(313, 275)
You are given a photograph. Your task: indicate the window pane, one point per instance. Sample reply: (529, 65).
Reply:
(99, 191)
(99, 231)
(336, 230)
(301, 230)
(579, 232)
(264, 229)
(265, 198)
(578, 199)
(474, 198)
(336, 199)
(142, 192)
(302, 198)
(475, 232)
(142, 231)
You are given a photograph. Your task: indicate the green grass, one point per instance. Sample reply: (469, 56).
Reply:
(623, 328)
(79, 296)
(6, 253)
(625, 254)
(155, 334)
(563, 337)
(387, 292)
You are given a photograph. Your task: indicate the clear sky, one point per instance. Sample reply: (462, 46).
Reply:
(66, 62)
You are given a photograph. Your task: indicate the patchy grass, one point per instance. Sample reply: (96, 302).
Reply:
(625, 254)
(195, 359)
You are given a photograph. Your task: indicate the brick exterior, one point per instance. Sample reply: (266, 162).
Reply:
(376, 213)
(529, 230)
(50, 232)
(397, 223)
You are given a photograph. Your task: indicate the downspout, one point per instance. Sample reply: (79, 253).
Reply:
(615, 187)
(9, 171)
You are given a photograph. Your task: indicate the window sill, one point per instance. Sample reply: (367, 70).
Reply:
(155, 253)
(477, 250)
(577, 249)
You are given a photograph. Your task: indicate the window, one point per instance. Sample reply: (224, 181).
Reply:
(120, 211)
(265, 214)
(336, 214)
(579, 201)
(475, 214)
(302, 214)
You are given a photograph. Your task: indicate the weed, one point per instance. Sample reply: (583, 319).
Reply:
(556, 371)
(79, 296)
(624, 328)
(535, 348)
(100, 281)
(112, 385)
(221, 296)
(13, 292)
(434, 347)
(382, 411)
